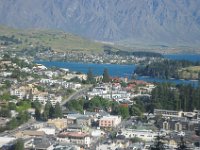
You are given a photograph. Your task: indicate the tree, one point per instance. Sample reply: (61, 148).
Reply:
(90, 77)
(124, 112)
(135, 111)
(7, 83)
(23, 117)
(19, 145)
(5, 112)
(136, 140)
(37, 114)
(12, 106)
(47, 111)
(36, 104)
(106, 77)
(57, 111)
(199, 78)
(158, 145)
(12, 124)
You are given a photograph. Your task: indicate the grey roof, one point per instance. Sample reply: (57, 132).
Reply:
(42, 143)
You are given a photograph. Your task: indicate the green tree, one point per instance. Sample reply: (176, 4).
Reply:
(23, 117)
(90, 76)
(6, 57)
(12, 124)
(37, 114)
(199, 78)
(12, 106)
(106, 77)
(7, 83)
(135, 111)
(47, 111)
(158, 144)
(136, 140)
(36, 104)
(124, 112)
(19, 145)
(5, 112)
(75, 105)
(57, 111)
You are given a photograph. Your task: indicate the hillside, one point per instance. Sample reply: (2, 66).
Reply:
(134, 23)
(57, 40)
(189, 73)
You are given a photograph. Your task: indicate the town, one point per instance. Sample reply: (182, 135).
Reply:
(54, 108)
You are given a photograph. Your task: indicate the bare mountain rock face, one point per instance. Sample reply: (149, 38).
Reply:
(175, 22)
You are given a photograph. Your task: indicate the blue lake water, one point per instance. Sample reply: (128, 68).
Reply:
(189, 57)
(115, 70)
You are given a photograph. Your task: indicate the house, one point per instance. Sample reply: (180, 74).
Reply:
(75, 128)
(78, 138)
(109, 121)
(58, 123)
(168, 113)
(179, 125)
(39, 67)
(31, 92)
(42, 143)
(146, 135)
(78, 119)
(40, 96)
(54, 99)
(122, 141)
(107, 146)
(48, 131)
(108, 91)
(22, 92)
(6, 140)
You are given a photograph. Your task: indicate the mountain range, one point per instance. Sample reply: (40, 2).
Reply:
(126, 22)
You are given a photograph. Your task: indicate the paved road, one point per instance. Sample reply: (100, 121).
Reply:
(77, 94)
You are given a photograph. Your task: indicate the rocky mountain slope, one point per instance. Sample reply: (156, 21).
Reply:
(163, 22)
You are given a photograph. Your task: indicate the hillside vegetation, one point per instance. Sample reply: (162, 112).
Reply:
(170, 69)
(192, 72)
(56, 40)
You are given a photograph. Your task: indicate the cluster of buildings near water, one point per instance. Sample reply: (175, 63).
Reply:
(90, 129)
(73, 56)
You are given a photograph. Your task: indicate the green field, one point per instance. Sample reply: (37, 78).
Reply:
(57, 40)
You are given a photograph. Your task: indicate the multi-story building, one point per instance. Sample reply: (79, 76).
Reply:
(109, 121)
(78, 138)
(30, 92)
(22, 92)
(146, 135)
(110, 92)
(168, 113)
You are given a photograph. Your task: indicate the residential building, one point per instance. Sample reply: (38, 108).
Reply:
(22, 92)
(42, 143)
(6, 140)
(168, 113)
(146, 135)
(109, 121)
(58, 123)
(78, 138)
(48, 131)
